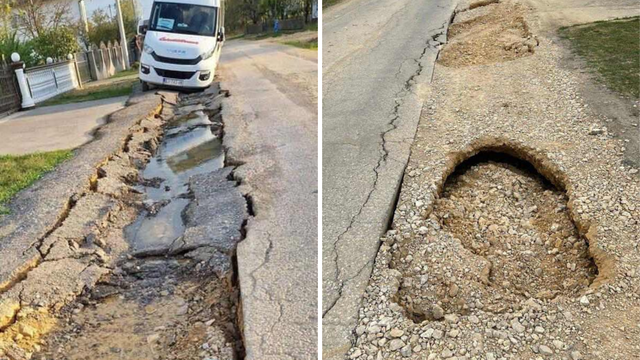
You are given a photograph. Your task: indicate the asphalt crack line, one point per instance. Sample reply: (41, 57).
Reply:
(399, 101)
(267, 257)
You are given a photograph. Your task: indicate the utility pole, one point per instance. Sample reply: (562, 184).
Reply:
(123, 37)
(83, 15)
(137, 10)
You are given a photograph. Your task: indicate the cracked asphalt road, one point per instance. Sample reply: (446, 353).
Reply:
(377, 56)
(271, 123)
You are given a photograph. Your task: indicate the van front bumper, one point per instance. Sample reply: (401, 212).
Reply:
(187, 76)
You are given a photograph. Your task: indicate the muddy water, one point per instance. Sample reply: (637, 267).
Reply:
(189, 148)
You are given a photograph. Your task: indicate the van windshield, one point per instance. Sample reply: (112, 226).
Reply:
(183, 19)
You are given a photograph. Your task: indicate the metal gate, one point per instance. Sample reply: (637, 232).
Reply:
(82, 61)
(9, 93)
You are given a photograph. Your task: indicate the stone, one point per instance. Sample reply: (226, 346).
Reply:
(517, 327)
(584, 300)
(153, 338)
(595, 131)
(396, 344)
(427, 334)
(453, 290)
(452, 318)
(576, 355)
(406, 351)
(437, 311)
(545, 350)
(396, 333)
(355, 354)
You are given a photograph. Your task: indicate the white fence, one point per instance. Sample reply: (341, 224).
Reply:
(47, 81)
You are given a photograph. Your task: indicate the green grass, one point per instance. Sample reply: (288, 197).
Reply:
(327, 3)
(129, 72)
(18, 172)
(610, 48)
(311, 45)
(271, 34)
(120, 88)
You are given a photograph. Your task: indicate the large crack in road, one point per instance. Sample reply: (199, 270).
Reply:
(148, 249)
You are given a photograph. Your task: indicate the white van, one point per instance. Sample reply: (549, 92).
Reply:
(182, 43)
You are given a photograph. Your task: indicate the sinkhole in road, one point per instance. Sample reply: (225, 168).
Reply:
(501, 234)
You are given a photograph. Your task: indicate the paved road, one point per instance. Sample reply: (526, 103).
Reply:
(55, 127)
(271, 125)
(376, 58)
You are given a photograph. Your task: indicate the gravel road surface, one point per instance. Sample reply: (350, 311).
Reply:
(376, 58)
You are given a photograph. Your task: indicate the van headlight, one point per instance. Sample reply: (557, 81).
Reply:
(148, 49)
(207, 54)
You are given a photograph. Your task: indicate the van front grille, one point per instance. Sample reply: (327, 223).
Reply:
(176, 61)
(182, 75)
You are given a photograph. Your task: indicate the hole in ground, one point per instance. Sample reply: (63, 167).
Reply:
(500, 234)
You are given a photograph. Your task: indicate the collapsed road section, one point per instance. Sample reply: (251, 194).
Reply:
(516, 232)
(140, 264)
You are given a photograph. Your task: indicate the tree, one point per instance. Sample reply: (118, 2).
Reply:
(5, 18)
(56, 42)
(104, 28)
(36, 17)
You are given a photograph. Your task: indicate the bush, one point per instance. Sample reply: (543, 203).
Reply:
(10, 43)
(56, 43)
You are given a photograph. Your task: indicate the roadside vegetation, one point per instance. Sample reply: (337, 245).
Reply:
(240, 14)
(611, 49)
(126, 73)
(19, 172)
(96, 92)
(308, 27)
(39, 29)
(310, 45)
(327, 3)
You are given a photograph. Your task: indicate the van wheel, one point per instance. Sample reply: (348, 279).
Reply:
(145, 86)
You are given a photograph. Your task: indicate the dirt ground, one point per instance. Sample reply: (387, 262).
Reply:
(488, 34)
(516, 231)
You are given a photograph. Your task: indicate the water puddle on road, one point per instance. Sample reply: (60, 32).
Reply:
(190, 148)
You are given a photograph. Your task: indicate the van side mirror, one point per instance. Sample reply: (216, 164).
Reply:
(221, 35)
(142, 28)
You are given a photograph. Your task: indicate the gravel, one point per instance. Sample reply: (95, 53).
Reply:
(497, 259)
